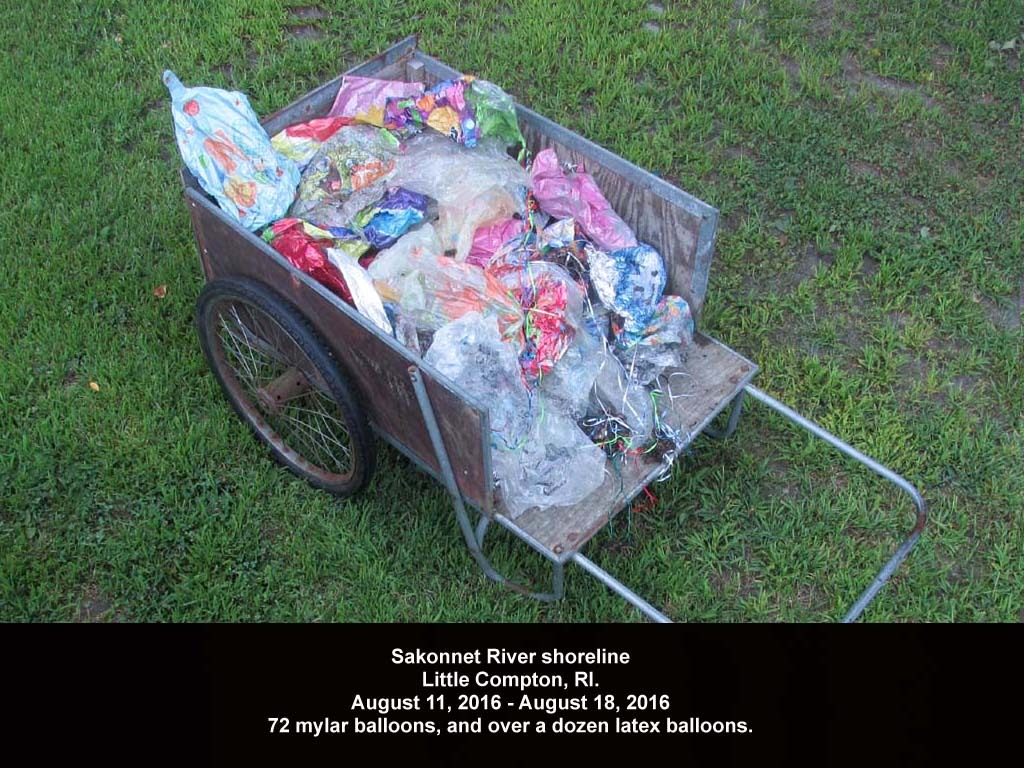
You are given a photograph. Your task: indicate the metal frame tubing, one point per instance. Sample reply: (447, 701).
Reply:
(922, 507)
(734, 418)
(622, 591)
(474, 539)
(601, 575)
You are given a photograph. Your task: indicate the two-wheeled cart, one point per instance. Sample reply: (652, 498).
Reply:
(316, 381)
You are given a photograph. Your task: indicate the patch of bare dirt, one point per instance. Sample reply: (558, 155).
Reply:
(745, 584)
(854, 75)
(940, 60)
(824, 17)
(915, 369)
(713, 134)
(741, 153)
(945, 346)
(926, 147)
(94, 607)
(587, 103)
(920, 202)
(786, 280)
(71, 372)
(304, 32)
(861, 168)
(898, 319)
(269, 533)
(1005, 315)
(307, 12)
(252, 58)
(964, 382)
(792, 68)
(812, 262)
(960, 572)
(869, 265)
(811, 597)
(851, 339)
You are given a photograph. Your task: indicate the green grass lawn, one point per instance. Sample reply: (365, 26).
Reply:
(866, 157)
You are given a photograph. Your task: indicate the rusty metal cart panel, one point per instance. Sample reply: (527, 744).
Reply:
(446, 432)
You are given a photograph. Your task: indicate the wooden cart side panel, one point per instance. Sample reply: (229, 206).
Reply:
(377, 367)
(195, 212)
(679, 225)
(673, 231)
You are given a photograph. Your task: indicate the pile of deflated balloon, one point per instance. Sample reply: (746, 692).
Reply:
(513, 276)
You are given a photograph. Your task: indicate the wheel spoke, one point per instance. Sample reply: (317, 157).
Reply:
(317, 426)
(330, 421)
(256, 349)
(315, 439)
(276, 344)
(249, 337)
(326, 419)
(270, 341)
(241, 365)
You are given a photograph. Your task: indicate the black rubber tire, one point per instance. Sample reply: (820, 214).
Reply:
(360, 437)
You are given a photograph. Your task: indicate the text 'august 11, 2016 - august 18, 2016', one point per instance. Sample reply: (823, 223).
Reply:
(449, 693)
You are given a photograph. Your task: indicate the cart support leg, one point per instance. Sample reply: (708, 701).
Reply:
(557, 569)
(901, 483)
(734, 418)
(474, 538)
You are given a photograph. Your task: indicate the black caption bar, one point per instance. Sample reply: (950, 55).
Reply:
(731, 693)
(532, 695)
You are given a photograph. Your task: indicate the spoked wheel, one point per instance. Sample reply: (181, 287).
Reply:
(280, 378)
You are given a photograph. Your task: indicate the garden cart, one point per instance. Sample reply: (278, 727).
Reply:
(317, 381)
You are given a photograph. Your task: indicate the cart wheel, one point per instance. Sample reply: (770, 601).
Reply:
(280, 378)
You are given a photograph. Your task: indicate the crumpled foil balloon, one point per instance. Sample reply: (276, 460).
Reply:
(300, 142)
(552, 305)
(464, 109)
(350, 160)
(578, 197)
(629, 282)
(490, 237)
(660, 345)
(305, 246)
(363, 98)
(382, 223)
(223, 144)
